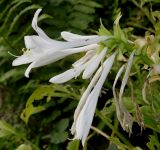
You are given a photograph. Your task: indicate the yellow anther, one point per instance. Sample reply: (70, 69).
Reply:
(23, 50)
(26, 50)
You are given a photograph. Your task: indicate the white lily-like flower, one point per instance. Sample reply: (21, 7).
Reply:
(82, 101)
(54, 56)
(42, 50)
(85, 111)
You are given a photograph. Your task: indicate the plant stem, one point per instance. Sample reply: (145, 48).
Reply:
(100, 132)
(122, 138)
(143, 10)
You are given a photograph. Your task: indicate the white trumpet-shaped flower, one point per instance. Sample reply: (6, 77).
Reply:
(84, 97)
(42, 50)
(85, 111)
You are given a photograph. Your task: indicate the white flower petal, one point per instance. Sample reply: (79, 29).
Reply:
(84, 59)
(86, 115)
(123, 115)
(42, 34)
(144, 93)
(71, 73)
(35, 26)
(63, 45)
(54, 56)
(43, 50)
(84, 98)
(68, 36)
(24, 59)
(38, 44)
(115, 82)
(29, 69)
(93, 65)
(45, 59)
(83, 42)
(67, 75)
(126, 75)
(64, 77)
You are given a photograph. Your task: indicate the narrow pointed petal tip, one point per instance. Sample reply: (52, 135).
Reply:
(29, 69)
(63, 77)
(68, 36)
(126, 75)
(91, 68)
(23, 59)
(26, 74)
(35, 18)
(120, 71)
(34, 21)
(15, 63)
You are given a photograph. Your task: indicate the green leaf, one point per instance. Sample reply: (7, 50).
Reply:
(112, 147)
(59, 137)
(6, 9)
(42, 96)
(73, 145)
(103, 31)
(84, 9)
(90, 3)
(10, 74)
(24, 147)
(30, 110)
(129, 104)
(153, 144)
(6, 129)
(157, 28)
(120, 145)
(149, 119)
(11, 11)
(62, 125)
(118, 32)
(144, 59)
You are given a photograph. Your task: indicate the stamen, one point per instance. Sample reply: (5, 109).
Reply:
(23, 50)
(26, 51)
(12, 54)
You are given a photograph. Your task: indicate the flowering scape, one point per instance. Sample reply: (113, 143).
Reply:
(95, 65)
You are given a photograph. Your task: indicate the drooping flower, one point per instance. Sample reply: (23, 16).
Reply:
(85, 111)
(123, 115)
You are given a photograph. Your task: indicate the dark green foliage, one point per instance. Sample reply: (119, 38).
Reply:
(38, 115)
